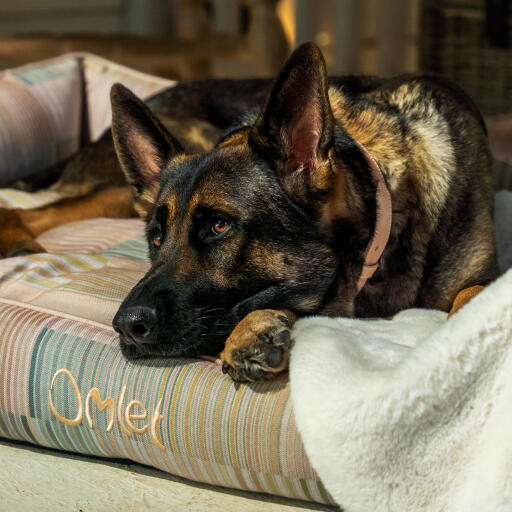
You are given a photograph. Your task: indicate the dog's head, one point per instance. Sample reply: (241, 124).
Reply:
(258, 222)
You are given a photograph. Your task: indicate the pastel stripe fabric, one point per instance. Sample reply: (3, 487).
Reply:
(99, 75)
(40, 111)
(64, 383)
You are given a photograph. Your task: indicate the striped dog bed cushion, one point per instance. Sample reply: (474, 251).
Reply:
(45, 107)
(64, 383)
(40, 111)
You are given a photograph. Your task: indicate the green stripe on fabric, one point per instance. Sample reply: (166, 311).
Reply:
(32, 374)
(3, 427)
(119, 378)
(49, 365)
(97, 352)
(281, 416)
(76, 360)
(44, 74)
(53, 348)
(224, 390)
(12, 421)
(178, 388)
(52, 438)
(291, 488)
(272, 486)
(73, 358)
(134, 249)
(28, 430)
(323, 492)
(108, 376)
(54, 342)
(305, 489)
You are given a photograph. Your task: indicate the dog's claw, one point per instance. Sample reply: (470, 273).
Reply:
(286, 321)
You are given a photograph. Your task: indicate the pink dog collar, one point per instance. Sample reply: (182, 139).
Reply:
(380, 237)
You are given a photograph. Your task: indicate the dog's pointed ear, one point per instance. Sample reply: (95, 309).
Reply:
(295, 126)
(142, 144)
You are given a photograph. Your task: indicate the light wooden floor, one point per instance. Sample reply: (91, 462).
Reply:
(38, 479)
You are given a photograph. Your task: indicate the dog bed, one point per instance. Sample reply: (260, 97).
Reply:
(63, 381)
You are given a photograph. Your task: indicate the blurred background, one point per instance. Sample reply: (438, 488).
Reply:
(466, 40)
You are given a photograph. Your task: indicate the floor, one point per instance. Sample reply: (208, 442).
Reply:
(33, 478)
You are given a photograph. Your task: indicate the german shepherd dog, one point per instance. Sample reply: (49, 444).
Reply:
(261, 203)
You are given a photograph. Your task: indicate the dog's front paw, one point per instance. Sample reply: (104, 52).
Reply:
(259, 346)
(25, 248)
(15, 238)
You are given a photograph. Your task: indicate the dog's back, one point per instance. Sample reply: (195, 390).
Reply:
(431, 144)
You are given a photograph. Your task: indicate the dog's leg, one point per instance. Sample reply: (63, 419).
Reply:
(463, 297)
(19, 228)
(15, 238)
(259, 346)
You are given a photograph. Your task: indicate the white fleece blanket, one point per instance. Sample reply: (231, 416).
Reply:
(413, 413)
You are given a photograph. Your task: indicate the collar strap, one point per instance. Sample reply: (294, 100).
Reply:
(383, 214)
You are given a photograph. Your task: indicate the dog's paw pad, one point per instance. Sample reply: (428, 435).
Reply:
(258, 347)
(273, 356)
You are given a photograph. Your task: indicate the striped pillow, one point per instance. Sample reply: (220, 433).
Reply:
(40, 110)
(100, 74)
(64, 383)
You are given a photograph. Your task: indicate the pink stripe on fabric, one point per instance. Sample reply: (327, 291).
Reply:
(90, 236)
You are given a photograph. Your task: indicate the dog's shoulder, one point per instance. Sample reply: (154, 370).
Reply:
(415, 125)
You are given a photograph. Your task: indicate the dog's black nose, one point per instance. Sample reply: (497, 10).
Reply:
(136, 324)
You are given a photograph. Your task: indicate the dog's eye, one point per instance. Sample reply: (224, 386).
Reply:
(220, 226)
(157, 240)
